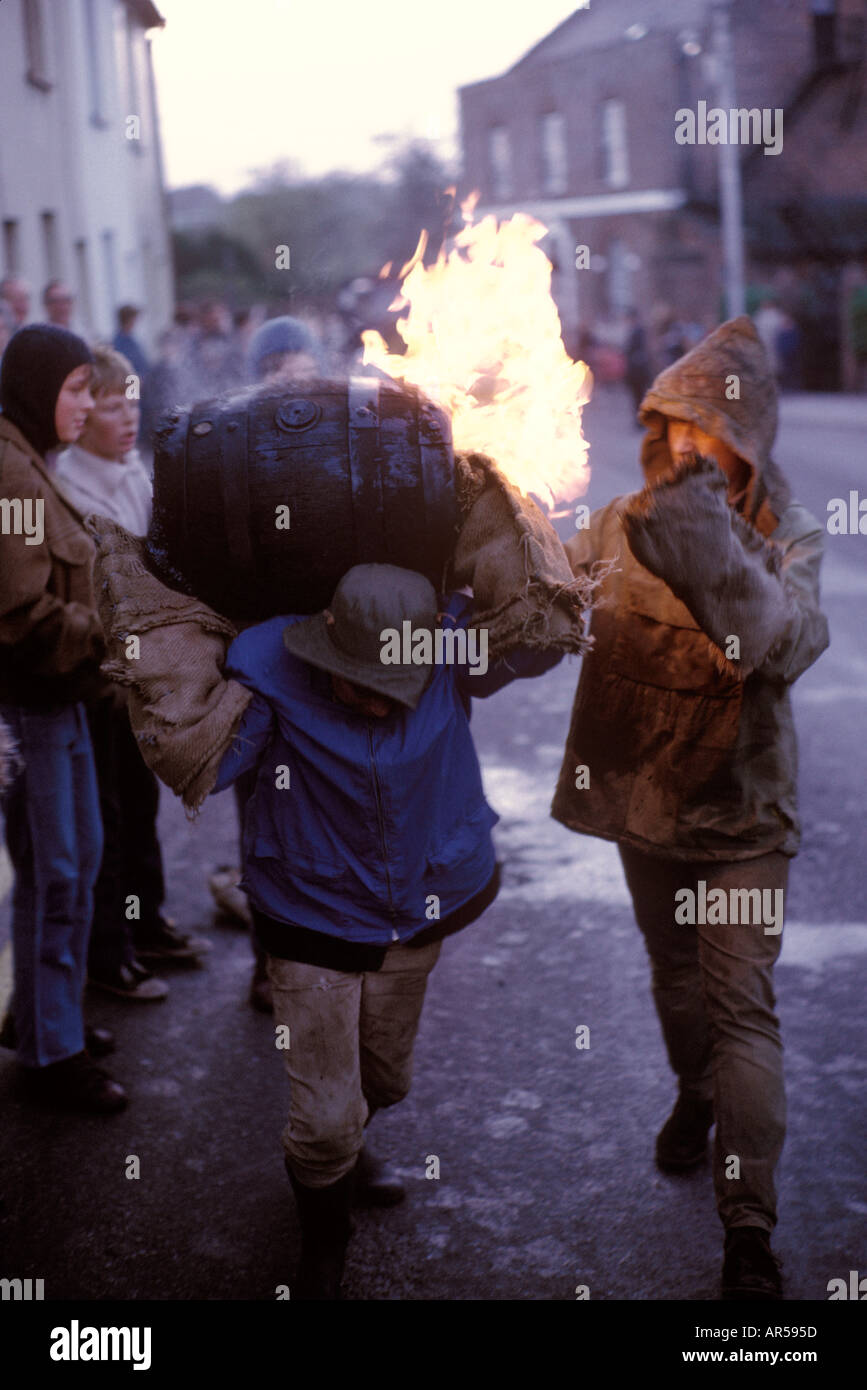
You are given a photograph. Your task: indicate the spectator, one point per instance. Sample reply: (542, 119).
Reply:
(858, 334)
(58, 300)
(125, 342)
(51, 646)
(770, 323)
(167, 383)
(215, 361)
(284, 349)
(15, 294)
(6, 329)
(281, 349)
(103, 474)
(638, 369)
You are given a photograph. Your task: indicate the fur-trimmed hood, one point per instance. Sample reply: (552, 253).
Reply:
(726, 386)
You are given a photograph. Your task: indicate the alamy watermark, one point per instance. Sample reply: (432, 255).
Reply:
(446, 646)
(22, 1290)
(23, 517)
(730, 907)
(739, 126)
(77, 1343)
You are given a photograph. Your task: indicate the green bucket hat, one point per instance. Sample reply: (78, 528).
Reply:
(368, 600)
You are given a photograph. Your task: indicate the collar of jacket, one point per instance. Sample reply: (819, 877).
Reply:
(12, 434)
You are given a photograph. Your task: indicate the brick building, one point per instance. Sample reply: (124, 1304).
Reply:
(581, 133)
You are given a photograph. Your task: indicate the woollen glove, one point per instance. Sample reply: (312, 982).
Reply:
(683, 530)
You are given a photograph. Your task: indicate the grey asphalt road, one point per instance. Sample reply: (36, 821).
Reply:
(545, 1151)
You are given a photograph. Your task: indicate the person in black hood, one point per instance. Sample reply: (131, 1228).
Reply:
(51, 646)
(35, 370)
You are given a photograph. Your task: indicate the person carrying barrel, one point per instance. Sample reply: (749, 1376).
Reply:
(367, 841)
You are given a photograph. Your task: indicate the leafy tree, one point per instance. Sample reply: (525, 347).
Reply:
(341, 226)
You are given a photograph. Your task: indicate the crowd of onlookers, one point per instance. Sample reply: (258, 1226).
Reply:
(207, 349)
(812, 345)
(79, 804)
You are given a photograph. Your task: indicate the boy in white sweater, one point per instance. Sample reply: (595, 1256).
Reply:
(102, 474)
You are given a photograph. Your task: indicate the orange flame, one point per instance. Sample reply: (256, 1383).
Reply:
(482, 338)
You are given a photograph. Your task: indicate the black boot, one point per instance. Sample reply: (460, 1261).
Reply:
(325, 1231)
(751, 1270)
(376, 1183)
(8, 1032)
(98, 1042)
(681, 1144)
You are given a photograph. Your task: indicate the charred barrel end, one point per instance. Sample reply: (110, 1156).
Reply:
(168, 524)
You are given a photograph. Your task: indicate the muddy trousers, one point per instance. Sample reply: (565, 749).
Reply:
(713, 990)
(350, 1037)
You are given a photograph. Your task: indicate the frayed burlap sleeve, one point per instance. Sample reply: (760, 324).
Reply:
(511, 557)
(183, 712)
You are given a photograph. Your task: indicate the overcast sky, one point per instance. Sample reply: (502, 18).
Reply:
(244, 83)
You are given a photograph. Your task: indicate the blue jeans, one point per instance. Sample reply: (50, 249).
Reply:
(54, 836)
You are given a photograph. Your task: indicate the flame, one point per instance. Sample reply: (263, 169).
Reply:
(417, 255)
(482, 338)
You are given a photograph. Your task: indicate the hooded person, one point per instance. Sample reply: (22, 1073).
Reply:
(284, 348)
(681, 750)
(51, 645)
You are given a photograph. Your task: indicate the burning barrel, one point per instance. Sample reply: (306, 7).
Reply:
(263, 500)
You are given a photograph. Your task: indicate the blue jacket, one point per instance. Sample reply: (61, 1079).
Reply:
(379, 814)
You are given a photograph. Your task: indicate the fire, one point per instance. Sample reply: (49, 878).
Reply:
(482, 338)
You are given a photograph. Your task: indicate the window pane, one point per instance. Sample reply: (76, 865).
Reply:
(500, 155)
(94, 67)
(34, 35)
(614, 144)
(555, 164)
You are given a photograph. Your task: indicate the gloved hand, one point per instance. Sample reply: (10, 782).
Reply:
(727, 574)
(680, 528)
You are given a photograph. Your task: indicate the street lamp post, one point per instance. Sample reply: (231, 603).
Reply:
(731, 199)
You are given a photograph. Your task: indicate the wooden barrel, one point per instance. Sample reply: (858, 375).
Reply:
(263, 500)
